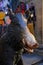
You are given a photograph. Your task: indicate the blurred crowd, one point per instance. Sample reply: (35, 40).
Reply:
(27, 10)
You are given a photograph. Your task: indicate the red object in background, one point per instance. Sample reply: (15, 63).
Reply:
(22, 8)
(23, 11)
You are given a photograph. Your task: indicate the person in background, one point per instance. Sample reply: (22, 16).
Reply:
(22, 8)
(32, 10)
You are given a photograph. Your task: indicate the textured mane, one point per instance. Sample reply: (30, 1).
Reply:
(12, 38)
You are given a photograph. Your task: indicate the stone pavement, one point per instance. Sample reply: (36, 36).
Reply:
(32, 59)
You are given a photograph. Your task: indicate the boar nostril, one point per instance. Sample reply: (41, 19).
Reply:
(36, 45)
